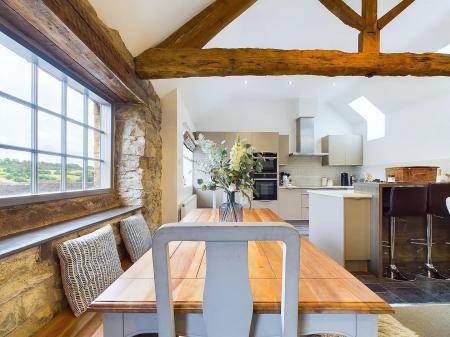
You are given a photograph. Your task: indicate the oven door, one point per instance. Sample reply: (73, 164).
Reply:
(270, 165)
(266, 188)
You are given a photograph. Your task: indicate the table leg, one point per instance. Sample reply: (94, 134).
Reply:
(366, 325)
(113, 325)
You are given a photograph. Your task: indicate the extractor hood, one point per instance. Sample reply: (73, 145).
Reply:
(305, 141)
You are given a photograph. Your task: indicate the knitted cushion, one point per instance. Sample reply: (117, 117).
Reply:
(89, 264)
(136, 236)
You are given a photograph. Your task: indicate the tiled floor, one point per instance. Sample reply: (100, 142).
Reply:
(423, 290)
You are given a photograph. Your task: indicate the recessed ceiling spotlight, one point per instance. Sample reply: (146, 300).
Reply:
(290, 82)
(334, 84)
(245, 82)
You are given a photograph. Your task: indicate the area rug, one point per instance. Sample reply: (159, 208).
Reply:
(388, 326)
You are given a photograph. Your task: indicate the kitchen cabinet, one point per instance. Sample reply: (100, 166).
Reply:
(283, 149)
(271, 204)
(265, 141)
(343, 150)
(340, 225)
(290, 204)
(293, 204)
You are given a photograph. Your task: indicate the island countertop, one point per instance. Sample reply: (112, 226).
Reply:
(341, 194)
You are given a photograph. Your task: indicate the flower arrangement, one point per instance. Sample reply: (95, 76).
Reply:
(231, 170)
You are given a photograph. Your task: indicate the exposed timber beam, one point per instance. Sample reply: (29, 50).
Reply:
(69, 32)
(369, 38)
(178, 63)
(393, 13)
(198, 31)
(345, 13)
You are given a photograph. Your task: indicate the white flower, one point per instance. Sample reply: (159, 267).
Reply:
(235, 155)
(232, 188)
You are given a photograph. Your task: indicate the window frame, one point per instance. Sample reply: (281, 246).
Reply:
(107, 126)
(192, 162)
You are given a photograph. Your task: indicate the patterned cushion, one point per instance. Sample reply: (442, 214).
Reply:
(136, 236)
(89, 264)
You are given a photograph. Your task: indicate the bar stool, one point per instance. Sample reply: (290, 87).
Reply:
(448, 209)
(436, 207)
(405, 201)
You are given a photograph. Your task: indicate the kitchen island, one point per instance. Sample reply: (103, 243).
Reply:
(339, 224)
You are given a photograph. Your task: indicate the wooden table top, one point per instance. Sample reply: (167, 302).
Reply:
(325, 286)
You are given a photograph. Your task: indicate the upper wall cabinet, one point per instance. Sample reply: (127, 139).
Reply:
(343, 150)
(283, 149)
(265, 141)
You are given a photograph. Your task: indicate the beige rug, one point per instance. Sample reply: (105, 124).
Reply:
(388, 326)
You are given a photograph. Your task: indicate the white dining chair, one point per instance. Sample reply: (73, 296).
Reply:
(227, 296)
(448, 204)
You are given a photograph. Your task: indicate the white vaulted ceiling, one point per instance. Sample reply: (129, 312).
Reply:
(288, 24)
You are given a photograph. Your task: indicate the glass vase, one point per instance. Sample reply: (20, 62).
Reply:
(231, 211)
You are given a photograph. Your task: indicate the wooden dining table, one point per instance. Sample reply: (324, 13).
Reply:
(331, 299)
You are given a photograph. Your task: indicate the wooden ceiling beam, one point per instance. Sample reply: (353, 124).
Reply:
(198, 31)
(393, 13)
(70, 33)
(369, 37)
(179, 63)
(344, 13)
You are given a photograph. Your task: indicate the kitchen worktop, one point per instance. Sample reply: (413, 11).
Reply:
(293, 187)
(342, 194)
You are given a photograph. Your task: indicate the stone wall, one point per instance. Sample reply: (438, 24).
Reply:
(31, 292)
(138, 174)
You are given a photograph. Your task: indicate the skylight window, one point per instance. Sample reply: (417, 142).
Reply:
(445, 50)
(375, 118)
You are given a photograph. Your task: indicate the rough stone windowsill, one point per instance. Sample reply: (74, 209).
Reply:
(19, 242)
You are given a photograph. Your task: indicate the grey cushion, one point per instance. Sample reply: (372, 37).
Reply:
(136, 236)
(89, 264)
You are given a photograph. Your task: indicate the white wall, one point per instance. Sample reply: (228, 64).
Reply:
(273, 115)
(417, 134)
(253, 115)
(175, 120)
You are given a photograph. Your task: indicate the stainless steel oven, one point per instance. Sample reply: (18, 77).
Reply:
(266, 186)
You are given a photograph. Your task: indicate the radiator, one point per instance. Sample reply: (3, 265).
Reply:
(188, 205)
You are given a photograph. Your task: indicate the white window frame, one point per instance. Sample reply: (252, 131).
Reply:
(106, 127)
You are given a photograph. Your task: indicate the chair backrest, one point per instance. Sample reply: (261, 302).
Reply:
(437, 195)
(227, 296)
(408, 201)
(448, 204)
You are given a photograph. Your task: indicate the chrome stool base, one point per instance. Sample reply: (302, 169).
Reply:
(394, 273)
(431, 271)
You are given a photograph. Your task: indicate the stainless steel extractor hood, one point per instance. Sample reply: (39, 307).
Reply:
(305, 140)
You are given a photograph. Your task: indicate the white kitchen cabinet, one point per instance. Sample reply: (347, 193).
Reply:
(343, 150)
(271, 204)
(289, 205)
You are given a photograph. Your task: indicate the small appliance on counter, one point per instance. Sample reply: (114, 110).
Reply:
(345, 180)
(284, 179)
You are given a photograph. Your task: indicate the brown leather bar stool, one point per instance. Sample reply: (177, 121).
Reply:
(405, 201)
(436, 207)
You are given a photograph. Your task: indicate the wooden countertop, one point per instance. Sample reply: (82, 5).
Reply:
(324, 285)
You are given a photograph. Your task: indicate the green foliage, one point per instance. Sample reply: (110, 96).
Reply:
(19, 171)
(231, 171)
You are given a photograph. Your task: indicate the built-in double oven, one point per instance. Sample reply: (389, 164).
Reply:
(266, 182)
